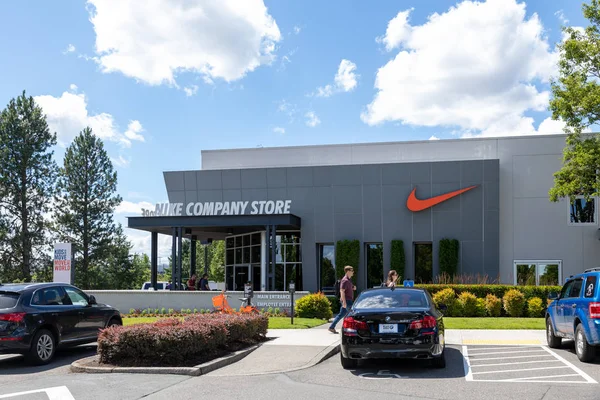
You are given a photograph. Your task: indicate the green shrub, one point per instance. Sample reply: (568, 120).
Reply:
(468, 304)
(493, 305)
(535, 307)
(481, 311)
(314, 305)
(397, 258)
(335, 304)
(514, 303)
(447, 297)
(201, 337)
(448, 256)
(347, 252)
(481, 291)
(163, 310)
(132, 311)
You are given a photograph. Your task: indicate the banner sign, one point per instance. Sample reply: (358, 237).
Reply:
(62, 263)
(219, 208)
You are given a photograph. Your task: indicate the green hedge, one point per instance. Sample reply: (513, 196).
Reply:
(397, 258)
(347, 252)
(482, 291)
(448, 258)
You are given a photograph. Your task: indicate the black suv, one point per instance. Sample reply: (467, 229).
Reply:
(36, 318)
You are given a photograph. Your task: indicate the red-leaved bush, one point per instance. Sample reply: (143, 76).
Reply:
(173, 342)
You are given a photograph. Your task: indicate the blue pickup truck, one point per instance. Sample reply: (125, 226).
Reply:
(574, 314)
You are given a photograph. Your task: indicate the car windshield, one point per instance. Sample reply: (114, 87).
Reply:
(391, 299)
(8, 300)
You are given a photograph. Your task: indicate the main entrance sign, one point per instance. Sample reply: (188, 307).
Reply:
(195, 209)
(414, 204)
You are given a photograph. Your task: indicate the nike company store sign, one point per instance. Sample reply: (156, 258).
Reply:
(207, 208)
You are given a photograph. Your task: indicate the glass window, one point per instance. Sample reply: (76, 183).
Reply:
(326, 262)
(392, 299)
(77, 297)
(538, 273)
(279, 276)
(576, 288)
(52, 296)
(590, 286)
(255, 254)
(229, 242)
(565, 289)
(374, 264)
(246, 240)
(8, 300)
(229, 258)
(526, 274)
(582, 211)
(229, 277)
(256, 238)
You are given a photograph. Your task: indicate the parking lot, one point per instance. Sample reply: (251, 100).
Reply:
(472, 372)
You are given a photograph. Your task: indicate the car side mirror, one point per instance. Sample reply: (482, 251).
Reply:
(553, 296)
(92, 300)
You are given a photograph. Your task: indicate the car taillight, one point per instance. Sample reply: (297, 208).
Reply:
(351, 326)
(425, 323)
(594, 310)
(12, 317)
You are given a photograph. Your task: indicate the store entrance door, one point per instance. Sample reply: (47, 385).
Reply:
(241, 274)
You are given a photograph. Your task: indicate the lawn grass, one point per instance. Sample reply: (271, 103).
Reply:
(494, 323)
(274, 322)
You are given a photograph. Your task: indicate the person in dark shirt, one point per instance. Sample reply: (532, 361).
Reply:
(204, 283)
(346, 296)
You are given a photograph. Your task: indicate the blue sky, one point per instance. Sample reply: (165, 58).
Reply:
(162, 82)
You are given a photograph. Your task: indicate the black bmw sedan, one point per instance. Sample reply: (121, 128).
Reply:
(393, 323)
(37, 318)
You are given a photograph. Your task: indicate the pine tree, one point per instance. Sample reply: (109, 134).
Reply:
(27, 183)
(85, 204)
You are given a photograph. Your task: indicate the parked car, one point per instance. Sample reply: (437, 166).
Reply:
(37, 318)
(160, 285)
(574, 313)
(393, 323)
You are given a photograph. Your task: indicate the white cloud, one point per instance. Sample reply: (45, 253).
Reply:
(121, 161)
(345, 80)
(133, 131)
(297, 29)
(73, 87)
(152, 41)
(433, 137)
(311, 119)
(287, 108)
(70, 49)
(279, 130)
(190, 91)
(68, 115)
(473, 67)
(397, 31)
(134, 209)
(561, 16)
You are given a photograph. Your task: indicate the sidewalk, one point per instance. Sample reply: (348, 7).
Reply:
(294, 349)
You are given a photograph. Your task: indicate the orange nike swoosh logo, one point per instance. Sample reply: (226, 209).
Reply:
(414, 204)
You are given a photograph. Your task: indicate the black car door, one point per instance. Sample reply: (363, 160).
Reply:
(51, 305)
(92, 317)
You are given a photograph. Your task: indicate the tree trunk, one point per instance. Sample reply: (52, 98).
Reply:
(25, 267)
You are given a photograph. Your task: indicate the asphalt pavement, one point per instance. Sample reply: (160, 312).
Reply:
(474, 371)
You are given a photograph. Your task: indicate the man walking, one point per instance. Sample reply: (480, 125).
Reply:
(346, 296)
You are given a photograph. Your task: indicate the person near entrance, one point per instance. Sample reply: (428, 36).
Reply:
(346, 296)
(204, 283)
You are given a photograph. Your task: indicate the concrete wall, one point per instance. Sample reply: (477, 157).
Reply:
(125, 300)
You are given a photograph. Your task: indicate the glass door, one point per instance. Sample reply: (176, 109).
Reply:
(241, 276)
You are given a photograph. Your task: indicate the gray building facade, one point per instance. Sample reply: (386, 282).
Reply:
(506, 226)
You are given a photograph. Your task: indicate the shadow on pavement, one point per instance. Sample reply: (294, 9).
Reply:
(421, 369)
(16, 365)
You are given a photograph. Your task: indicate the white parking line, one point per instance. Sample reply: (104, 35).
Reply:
(471, 357)
(54, 393)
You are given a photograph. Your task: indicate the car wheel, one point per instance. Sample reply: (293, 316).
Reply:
(43, 348)
(553, 341)
(585, 352)
(348, 363)
(439, 362)
(114, 322)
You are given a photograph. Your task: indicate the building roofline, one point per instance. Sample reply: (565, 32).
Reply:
(407, 142)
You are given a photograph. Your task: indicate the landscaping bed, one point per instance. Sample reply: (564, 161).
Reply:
(180, 342)
(274, 322)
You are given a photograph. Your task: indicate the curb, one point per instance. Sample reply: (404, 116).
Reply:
(78, 366)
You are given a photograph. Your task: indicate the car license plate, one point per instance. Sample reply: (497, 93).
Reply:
(388, 328)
